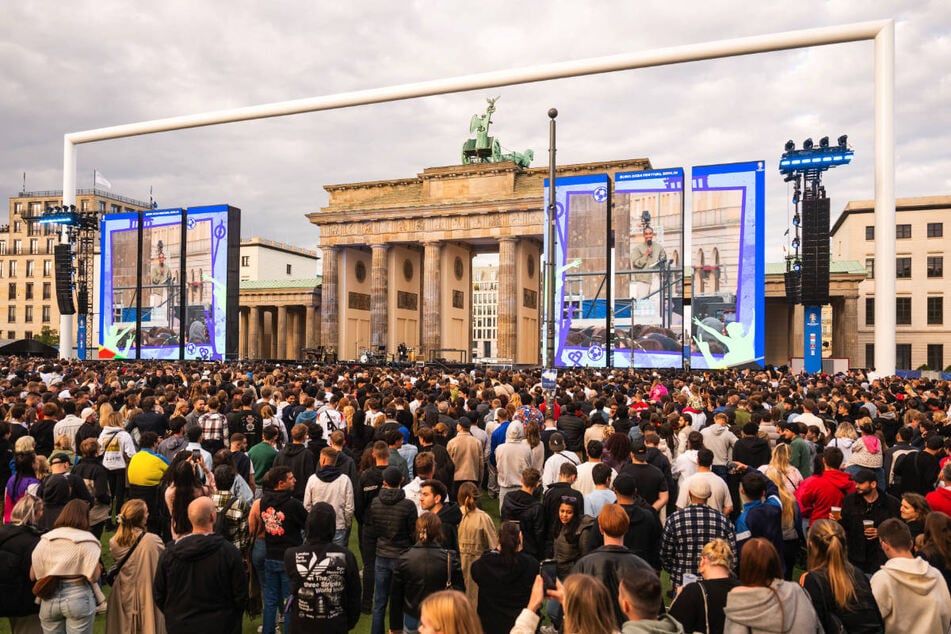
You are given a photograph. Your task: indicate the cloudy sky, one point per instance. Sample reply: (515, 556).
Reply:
(87, 64)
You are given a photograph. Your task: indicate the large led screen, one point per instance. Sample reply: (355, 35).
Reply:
(581, 264)
(648, 220)
(727, 266)
(162, 301)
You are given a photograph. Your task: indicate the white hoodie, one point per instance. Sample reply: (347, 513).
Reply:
(920, 591)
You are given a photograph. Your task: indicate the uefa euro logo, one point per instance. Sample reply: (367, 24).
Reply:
(595, 352)
(601, 194)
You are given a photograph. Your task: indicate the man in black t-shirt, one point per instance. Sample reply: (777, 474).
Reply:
(246, 421)
(650, 481)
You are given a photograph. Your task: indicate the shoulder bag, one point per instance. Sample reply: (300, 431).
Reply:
(109, 578)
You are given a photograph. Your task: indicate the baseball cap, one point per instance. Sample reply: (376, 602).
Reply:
(59, 458)
(700, 489)
(864, 475)
(638, 448)
(625, 485)
(392, 476)
(556, 442)
(87, 412)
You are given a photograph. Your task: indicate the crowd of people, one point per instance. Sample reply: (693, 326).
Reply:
(772, 501)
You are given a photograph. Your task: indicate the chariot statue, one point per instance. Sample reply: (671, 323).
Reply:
(488, 149)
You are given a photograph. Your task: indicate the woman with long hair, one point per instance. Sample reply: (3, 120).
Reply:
(96, 478)
(24, 476)
(839, 591)
(533, 439)
(844, 437)
(914, 509)
(425, 568)
(700, 604)
(791, 518)
(186, 486)
(585, 601)
(131, 607)
(936, 543)
(17, 541)
(570, 537)
(868, 452)
(476, 534)
(71, 553)
(504, 578)
(763, 599)
(448, 612)
(269, 419)
(617, 451)
(782, 469)
(117, 450)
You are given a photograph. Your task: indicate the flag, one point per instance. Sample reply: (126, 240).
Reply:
(101, 180)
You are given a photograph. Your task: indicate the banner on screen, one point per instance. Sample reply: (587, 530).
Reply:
(648, 276)
(581, 264)
(727, 261)
(169, 289)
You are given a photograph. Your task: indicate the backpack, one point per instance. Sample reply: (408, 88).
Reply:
(221, 521)
(896, 458)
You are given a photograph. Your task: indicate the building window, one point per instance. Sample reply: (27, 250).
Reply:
(47, 290)
(869, 311)
(13, 268)
(50, 243)
(117, 209)
(936, 356)
(28, 291)
(870, 355)
(903, 356)
(46, 314)
(11, 315)
(18, 208)
(935, 266)
(903, 232)
(935, 310)
(47, 268)
(34, 246)
(288, 269)
(870, 268)
(84, 205)
(102, 206)
(17, 226)
(935, 230)
(3, 247)
(11, 291)
(869, 232)
(17, 247)
(903, 268)
(11, 334)
(28, 314)
(245, 260)
(903, 311)
(28, 334)
(29, 268)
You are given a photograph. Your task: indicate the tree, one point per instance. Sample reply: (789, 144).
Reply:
(48, 336)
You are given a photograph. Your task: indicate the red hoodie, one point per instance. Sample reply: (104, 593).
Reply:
(940, 500)
(818, 494)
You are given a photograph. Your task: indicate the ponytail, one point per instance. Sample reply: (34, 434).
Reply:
(827, 550)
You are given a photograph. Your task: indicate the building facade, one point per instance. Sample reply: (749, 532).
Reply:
(263, 259)
(920, 287)
(27, 271)
(485, 312)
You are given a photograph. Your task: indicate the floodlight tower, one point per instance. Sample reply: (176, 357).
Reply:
(807, 272)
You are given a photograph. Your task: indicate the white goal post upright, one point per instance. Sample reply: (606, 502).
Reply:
(882, 32)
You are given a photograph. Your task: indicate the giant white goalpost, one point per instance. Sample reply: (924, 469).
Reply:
(882, 32)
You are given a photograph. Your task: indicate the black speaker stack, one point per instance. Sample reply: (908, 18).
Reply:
(63, 265)
(815, 252)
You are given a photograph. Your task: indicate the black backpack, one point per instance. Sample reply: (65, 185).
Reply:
(221, 521)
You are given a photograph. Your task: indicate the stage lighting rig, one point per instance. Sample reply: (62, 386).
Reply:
(814, 158)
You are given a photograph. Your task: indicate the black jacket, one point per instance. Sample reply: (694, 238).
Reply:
(422, 570)
(16, 553)
(330, 579)
(284, 517)
(504, 588)
(867, 554)
(572, 428)
(554, 496)
(368, 486)
(609, 564)
(753, 452)
(391, 520)
(643, 537)
(91, 470)
(450, 516)
(445, 470)
(524, 508)
(56, 491)
(200, 585)
(863, 616)
(301, 462)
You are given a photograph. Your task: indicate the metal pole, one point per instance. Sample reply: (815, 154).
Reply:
(885, 200)
(550, 261)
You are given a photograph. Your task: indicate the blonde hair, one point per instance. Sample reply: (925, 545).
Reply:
(718, 553)
(588, 606)
(131, 520)
(846, 430)
(788, 499)
(827, 550)
(42, 468)
(24, 444)
(64, 442)
(780, 458)
(450, 612)
(515, 401)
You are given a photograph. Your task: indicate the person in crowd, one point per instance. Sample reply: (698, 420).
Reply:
(688, 530)
(58, 488)
(719, 439)
(522, 507)
(799, 454)
(18, 538)
(919, 471)
(200, 584)
(868, 453)
(214, 426)
(503, 577)
(651, 483)
(780, 466)
(434, 498)
(642, 603)
(324, 577)
(331, 486)
(298, 459)
(817, 495)
(845, 437)
(511, 458)
(602, 494)
(585, 483)
(23, 478)
(751, 449)
(283, 517)
(231, 510)
(476, 534)
(862, 512)
(912, 595)
(445, 468)
(423, 569)
(686, 463)
(940, 498)
(584, 600)
(562, 491)
(840, 591)
(176, 440)
(262, 454)
(96, 479)
(571, 538)
(913, 511)
(764, 602)
(448, 612)
(67, 560)
(719, 491)
(370, 484)
(613, 560)
(117, 450)
(466, 454)
(791, 522)
(699, 606)
(559, 455)
(131, 606)
(936, 543)
(185, 487)
(391, 521)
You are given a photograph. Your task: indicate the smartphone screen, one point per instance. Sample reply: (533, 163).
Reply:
(196, 454)
(549, 572)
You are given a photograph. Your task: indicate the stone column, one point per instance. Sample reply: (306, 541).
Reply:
(379, 298)
(329, 311)
(254, 332)
(310, 327)
(281, 335)
(508, 300)
(845, 315)
(432, 298)
(293, 335)
(243, 317)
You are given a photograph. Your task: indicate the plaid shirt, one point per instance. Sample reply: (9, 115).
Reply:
(686, 533)
(214, 426)
(235, 528)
